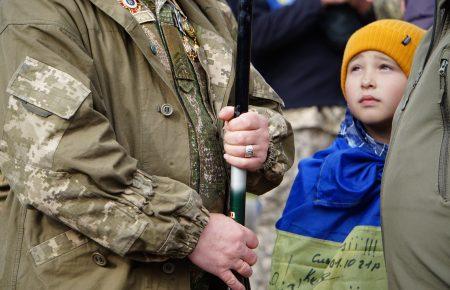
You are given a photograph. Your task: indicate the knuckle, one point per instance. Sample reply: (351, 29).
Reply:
(255, 116)
(239, 236)
(253, 258)
(234, 249)
(264, 134)
(245, 269)
(246, 122)
(230, 280)
(241, 249)
(242, 138)
(243, 233)
(227, 136)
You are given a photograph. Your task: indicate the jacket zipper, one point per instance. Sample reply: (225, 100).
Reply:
(443, 157)
(411, 91)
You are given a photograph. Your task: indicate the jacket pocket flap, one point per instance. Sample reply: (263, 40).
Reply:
(57, 246)
(47, 88)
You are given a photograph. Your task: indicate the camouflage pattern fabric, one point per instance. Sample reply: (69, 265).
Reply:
(209, 177)
(63, 94)
(208, 166)
(57, 246)
(33, 138)
(82, 90)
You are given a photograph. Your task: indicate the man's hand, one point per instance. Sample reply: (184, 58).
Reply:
(247, 129)
(225, 245)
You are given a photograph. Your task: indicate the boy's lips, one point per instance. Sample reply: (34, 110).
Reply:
(368, 100)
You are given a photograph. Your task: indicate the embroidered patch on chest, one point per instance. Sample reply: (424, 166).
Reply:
(133, 6)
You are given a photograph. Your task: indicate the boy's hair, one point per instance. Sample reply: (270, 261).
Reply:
(395, 38)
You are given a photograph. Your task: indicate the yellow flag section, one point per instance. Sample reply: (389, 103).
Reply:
(305, 263)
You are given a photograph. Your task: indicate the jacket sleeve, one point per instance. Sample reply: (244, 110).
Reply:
(60, 155)
(265, 101)
(272, 29)
(280, 157)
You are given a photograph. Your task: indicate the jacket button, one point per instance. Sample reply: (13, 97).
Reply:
(99, 259)
(168, 268)
(166, 110)
(153, 49)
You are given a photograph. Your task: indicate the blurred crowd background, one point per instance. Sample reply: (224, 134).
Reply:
(297, 45)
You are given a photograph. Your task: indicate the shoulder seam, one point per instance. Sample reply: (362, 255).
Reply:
(64, 28)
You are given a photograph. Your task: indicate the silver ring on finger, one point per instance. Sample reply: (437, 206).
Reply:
(249, 152)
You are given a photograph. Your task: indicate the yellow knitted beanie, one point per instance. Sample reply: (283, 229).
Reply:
(395, 38)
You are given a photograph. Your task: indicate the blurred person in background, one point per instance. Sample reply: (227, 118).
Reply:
(418, 12)
(297, 47)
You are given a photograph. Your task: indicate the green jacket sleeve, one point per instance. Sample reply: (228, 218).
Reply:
(60, 154)
(280, 156)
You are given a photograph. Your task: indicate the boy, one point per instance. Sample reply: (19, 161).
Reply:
(329, 235)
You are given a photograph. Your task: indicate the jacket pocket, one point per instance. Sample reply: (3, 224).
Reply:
(42, 101)
(444, 151)
(60, 261)
(57, 246)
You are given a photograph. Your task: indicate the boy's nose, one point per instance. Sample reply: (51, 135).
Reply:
(367, 81)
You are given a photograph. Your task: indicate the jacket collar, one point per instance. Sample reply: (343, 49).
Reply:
(132, 27)
(199, 12)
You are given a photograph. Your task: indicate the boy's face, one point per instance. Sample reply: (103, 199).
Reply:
(374, 86)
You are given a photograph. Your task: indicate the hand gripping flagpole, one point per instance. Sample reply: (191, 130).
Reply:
(239, 176)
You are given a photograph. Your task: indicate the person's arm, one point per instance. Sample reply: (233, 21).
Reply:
(60, 154)
(265, 102)
(280, 155)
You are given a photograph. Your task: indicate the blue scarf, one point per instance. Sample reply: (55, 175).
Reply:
(337, 188)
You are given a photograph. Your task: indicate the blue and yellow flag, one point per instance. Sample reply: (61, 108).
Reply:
(329, 235)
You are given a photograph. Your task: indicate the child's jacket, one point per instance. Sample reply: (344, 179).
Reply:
(329, 235)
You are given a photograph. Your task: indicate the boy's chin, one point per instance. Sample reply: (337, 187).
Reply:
(376, 123)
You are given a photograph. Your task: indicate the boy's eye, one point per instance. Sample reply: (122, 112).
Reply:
(385, 67)
(355, 68)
